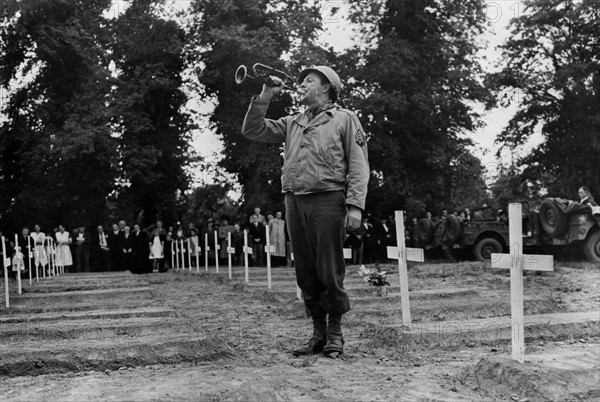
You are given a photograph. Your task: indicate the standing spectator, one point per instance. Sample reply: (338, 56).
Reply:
(468, 214)
(25, 247)
(586, 197)
(194, 245)
(99, 250)
(73, 247)
(381, 239)
(157, 242)
(222, 232)
(40, 257)
(191, 226)
(368, 241)
(179, 232)
(82, 250)
(412, 228)
(391, 223)
(63, 251)
(168, 250)
(357, 241)
(115, 252)
(141, 249)
(209, 232)
(237, 239)
(277, 239)
(126, 246)
(258, 216)
(256, 234)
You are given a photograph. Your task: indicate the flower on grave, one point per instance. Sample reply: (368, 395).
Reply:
(373, 278)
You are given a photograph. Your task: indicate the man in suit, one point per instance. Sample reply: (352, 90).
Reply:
(141, 251)
(126, 245)
(100, 250)
(257, 216)
(257, 239)
(382, 238)
(115, 253)
(82, 249)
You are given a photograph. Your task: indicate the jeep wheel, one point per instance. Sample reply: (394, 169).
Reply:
(553, 220)
(592, 246)
(485, 247)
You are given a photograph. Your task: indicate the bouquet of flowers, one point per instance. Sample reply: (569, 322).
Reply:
(373, 278)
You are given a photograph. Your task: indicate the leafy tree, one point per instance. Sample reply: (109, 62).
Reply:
(225, 34)
(414, 85)
(551, 59)
(210, 201)
(57, 152)
(147, 109)
(94, 121)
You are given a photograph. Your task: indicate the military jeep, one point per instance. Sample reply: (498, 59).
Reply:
(559, 222)
(484, 234)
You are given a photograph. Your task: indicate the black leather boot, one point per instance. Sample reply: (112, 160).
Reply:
(318, 339)
(335, 340)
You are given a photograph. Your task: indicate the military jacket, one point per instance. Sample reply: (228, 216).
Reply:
(327, 153)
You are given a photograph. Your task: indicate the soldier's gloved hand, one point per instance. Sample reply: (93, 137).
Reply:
(353, 218)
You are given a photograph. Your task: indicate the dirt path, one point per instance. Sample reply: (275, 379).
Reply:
(182, 336)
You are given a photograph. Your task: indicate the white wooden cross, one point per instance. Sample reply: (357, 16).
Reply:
(206, 250)
(516, 261)
(196, 243)
(217, 248)
(6, 265)
(404, 254)
(230, 250)
(29, 257)
(172, 254)
(189, 248)
(268, 249)
(17, 249)
(176, 251)
(183, 251)
(298, 290)
(247, 250)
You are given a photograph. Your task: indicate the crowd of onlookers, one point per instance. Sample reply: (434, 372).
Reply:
(150, 249)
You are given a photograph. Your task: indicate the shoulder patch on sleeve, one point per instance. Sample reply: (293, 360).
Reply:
(359, 138)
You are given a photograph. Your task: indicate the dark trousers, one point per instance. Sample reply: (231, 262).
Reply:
(100, 260)
(82, 259)
(316, 229)
(258, 255)
(357, 254)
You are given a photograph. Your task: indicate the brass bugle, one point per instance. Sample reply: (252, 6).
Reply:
(261, 74)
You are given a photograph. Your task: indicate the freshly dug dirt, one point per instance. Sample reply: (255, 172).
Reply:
(189, 336)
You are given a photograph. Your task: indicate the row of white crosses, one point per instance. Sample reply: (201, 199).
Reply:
(178, 251)
(18, 263)
(516, 261)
